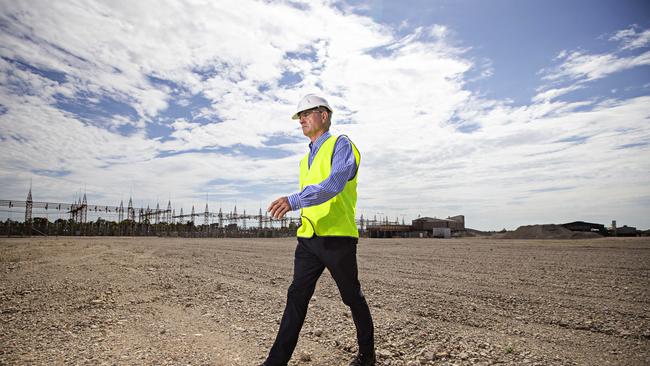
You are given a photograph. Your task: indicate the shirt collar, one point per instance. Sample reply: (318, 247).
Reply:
(314, 146)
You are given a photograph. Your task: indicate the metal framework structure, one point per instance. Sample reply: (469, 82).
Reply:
(213, 222)
(79, 213)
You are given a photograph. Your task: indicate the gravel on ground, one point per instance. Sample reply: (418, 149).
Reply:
(474, 301)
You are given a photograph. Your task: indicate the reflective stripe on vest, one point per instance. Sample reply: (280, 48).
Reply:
(334, 217)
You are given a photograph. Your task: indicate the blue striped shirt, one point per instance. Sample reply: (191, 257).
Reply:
(344, 167)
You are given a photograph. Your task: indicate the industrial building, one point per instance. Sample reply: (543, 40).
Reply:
(422, 227)
(626, 231)
(454, 223)
(585, 227)
(613, 230)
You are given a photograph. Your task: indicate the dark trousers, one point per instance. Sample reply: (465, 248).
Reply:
(313, 255)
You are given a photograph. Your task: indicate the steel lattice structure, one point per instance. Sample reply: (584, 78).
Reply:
(232, 221)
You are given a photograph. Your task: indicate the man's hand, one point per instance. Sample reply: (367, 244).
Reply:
(279, 207)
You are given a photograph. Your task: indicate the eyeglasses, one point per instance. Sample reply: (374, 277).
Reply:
(305, 114)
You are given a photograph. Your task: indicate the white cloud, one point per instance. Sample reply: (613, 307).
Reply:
(631, 39)
(550, 94)
(584, 67)
(578, 67)
(439, 31)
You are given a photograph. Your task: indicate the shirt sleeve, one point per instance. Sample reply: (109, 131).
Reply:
(344, 168)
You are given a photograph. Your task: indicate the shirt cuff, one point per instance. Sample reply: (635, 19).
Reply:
(294, 201)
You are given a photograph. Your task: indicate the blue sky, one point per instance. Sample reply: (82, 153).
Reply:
(509, 112)
(516, 38)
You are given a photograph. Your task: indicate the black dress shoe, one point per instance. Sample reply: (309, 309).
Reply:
(364, 359)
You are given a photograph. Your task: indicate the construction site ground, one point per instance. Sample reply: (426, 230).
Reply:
(173, 301)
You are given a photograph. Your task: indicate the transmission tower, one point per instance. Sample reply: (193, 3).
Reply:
(120, 212)
(28, 211)
(130, 210)
(84, 209)
(243, 224)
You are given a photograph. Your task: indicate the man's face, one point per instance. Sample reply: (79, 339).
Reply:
(313, 122)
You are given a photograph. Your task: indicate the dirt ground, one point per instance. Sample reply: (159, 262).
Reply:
(156, 301)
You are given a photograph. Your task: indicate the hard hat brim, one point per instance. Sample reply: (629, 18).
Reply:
(296, 115)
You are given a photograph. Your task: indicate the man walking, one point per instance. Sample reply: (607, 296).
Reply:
(328, 235)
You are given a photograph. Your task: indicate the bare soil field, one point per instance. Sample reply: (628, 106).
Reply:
(157, 301)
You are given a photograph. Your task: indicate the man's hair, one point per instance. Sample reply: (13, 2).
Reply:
(329, 116)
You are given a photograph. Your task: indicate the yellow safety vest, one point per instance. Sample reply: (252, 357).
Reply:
(334, 217)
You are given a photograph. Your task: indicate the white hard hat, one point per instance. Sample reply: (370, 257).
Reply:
(310, 101)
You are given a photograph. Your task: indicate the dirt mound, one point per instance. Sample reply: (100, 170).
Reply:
(549, 231)
(470, 233)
